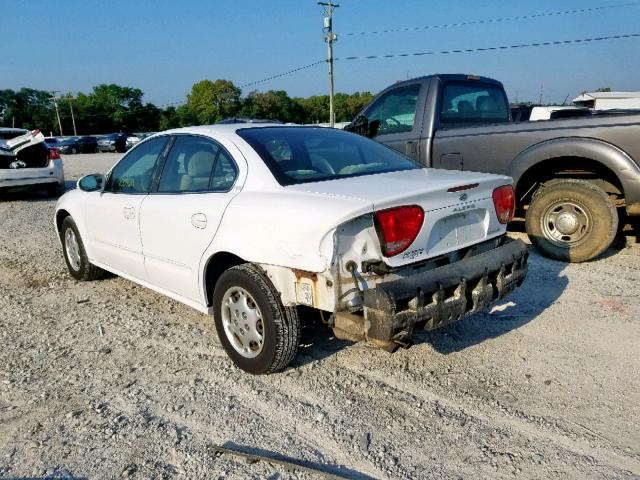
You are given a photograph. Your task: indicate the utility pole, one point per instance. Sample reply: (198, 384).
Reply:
(55, 104)
(330, 38)
(541, 92)
(73, 119)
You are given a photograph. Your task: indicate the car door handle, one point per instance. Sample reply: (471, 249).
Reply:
(199, 220)
(129, 212)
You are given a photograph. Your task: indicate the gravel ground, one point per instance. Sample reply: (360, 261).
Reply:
(107, 379)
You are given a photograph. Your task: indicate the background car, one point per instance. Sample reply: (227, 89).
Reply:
(114, 142)
(51, 142)
(67, 145)
(26, 161)
(87, 144)
(132, 141)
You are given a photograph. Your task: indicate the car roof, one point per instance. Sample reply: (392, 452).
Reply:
(228, 129)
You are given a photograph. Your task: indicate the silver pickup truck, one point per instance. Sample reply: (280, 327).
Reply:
(572, 175)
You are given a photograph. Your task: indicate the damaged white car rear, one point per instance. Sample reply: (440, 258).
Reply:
(251, 222)
(27, 162)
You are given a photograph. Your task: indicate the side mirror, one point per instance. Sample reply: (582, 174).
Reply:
(359, 125)
(362, 126)
(91, 183)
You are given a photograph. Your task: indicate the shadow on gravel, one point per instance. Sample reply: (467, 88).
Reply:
(288, 464)
(32, 194)
(317, 340)
(543, 286)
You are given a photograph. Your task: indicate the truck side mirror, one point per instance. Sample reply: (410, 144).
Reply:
(359, 125)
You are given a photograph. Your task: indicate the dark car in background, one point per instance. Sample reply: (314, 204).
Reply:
(115, 142)
(52, 142)
(87, 144)
(67, 145)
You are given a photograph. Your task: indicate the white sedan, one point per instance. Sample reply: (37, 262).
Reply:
(249, 222)
(26, 161)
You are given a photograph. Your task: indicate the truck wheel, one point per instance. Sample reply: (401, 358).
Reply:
(258, 333)
(571, 220)
(75, 255)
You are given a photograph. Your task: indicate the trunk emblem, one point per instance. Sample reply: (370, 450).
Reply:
(463, 197)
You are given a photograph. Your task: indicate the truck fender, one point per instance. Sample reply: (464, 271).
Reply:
(612, 157)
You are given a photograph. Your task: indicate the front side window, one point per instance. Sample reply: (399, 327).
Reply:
(310, 154)
(473, 103)
(196, 164)
(133, 174)
(396, 110)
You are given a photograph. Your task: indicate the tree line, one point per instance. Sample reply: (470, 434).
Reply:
(114, 108)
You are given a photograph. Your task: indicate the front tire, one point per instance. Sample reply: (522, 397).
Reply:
(258, 333)
(571, 220)
(75, 256)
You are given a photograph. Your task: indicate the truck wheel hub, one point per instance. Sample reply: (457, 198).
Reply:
(565, 223)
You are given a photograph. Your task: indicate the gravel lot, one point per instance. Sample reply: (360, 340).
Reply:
(108, 379)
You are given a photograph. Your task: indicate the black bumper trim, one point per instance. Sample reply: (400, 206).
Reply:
(444, 295)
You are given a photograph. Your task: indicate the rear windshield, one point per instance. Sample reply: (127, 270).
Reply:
(309, 154)
(473, 103)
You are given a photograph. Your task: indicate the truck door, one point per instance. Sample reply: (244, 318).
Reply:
(400, 118)
(464, 111)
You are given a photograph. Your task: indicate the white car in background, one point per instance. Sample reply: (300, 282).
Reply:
(26, 161)
(248, 222)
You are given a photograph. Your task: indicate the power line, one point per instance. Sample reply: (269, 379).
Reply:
(272, 77)
(434, 52)
(486, 49)
(495, 20)
(289, 72)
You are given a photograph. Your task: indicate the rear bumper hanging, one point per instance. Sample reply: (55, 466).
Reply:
(443, 295)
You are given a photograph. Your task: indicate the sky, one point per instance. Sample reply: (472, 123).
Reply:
(163, 46)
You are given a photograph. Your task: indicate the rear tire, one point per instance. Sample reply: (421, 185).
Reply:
(571, 220)
(75, 256)
(245, 297)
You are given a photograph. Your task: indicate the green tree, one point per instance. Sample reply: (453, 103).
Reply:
(603, 89)
(27, 108)
(271, 105)
(211, 101)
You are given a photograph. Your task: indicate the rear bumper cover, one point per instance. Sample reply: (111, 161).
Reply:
(444, 295)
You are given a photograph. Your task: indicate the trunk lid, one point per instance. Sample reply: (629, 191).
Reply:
(454, 218)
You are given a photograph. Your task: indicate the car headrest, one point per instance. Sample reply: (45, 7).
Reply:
(200, 164)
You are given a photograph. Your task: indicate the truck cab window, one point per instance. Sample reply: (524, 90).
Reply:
(395, 110)
(465, 103)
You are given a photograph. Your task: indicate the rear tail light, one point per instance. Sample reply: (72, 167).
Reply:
(505, 203)
(398, 227)
(54, 154)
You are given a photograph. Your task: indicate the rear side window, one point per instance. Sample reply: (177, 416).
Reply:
(196, 164)
(133, 174)
(473, 103)
(395, 110)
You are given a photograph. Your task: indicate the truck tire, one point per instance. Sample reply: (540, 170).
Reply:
(75, 255)
(258, 333)
(571, 220)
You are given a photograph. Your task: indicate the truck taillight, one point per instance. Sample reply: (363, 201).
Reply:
(54, 154)
(398, 227)
(505, 203)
